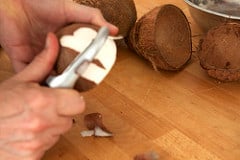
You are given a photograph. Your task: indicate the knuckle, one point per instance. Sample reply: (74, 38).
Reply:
(97, 14)
(67, 125)
(35, 146)
(36, 124)
(97, 11)
(36, 156)
(75, 100)
(40, 98)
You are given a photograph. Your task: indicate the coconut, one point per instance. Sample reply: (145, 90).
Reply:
(95, 126)
(219, 52)
(163, 37)
(121, 13)
(73, 40)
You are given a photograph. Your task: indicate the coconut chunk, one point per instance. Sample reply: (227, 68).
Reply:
(95, 126)
(74, 39)
(87, 133)
(101, 132)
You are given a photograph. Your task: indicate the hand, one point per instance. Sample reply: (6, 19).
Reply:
(24, 25)
(33, 117)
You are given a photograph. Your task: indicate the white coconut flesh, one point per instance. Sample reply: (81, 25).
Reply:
(98, 132)
(101, 133)
(87, 133)
(79, 41)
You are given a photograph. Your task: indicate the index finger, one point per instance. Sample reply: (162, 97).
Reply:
(70, 102)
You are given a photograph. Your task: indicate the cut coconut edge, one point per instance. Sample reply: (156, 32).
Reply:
(95, 126)
(97, 132)
(80, 40)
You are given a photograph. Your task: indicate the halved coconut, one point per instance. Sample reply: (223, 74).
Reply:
(73, 40)
(219, 52)
(121, 13)
(163, 37)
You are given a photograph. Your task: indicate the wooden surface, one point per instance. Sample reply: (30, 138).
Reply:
(183, 115)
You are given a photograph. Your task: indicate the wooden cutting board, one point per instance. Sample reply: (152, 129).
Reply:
(182, 115)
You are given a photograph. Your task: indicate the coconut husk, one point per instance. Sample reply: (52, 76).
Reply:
(163, 37)
(121, 13)
(219, 52)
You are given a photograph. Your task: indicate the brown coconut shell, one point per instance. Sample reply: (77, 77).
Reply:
(121, 13)
(93, 120)
(219, 52)
(163, 37)
(66, 56)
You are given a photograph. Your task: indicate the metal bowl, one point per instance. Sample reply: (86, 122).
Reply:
(210, 13)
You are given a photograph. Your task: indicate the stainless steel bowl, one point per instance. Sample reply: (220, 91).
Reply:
(210, 13)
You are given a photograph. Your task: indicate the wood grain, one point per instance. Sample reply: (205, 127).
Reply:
(182, 115)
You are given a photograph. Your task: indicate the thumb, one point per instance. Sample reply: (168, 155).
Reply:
(43, 63)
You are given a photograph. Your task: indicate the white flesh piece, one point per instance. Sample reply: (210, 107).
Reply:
(101, 133)
(87, 133)
(80, 39)
(98, 132)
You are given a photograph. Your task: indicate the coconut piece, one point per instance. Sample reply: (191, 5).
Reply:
(73, 40)
(147, 156)
(121, 13)
(87, 133)
(163, 37)
(95, 126)
(219, 52)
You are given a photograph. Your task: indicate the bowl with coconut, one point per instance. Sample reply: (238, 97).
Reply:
(210, 13)
(218, 50)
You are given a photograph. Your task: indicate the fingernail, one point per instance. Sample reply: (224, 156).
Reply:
(47, 43)
(116, 29)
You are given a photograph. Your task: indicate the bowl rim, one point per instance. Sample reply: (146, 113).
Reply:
(211, 12)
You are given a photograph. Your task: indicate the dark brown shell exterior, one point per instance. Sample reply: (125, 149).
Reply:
(163, 37)
(93, 120)
(219, 52)
(121, 13)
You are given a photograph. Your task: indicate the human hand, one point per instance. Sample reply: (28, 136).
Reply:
(24, 25)
(33, 117)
